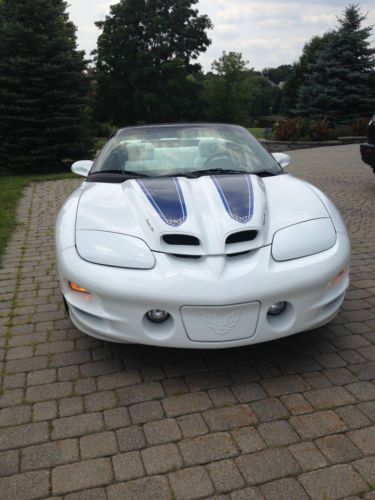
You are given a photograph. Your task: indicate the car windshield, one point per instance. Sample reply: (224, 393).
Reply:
(190, 150)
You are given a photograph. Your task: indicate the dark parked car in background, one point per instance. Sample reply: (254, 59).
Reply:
(368, 149)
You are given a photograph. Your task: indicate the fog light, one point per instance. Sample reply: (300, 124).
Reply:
(277, 308)
(157, 315)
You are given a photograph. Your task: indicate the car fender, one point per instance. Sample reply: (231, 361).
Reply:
(335, 215)
(66, 221)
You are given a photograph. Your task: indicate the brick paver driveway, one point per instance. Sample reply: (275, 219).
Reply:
(290, 419)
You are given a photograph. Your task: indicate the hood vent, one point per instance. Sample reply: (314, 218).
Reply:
(181, 239)
(241, 237)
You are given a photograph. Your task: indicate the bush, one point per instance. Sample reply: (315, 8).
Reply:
(360, 125)
(343, 131)
(320, 130)
(290, 129)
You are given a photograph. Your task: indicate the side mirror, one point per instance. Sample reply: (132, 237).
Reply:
(282, 159)
(82, 167)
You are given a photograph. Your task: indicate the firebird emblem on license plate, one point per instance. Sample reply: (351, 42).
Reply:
(221, 325)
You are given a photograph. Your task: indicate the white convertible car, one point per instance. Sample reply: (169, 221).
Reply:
(194, 236)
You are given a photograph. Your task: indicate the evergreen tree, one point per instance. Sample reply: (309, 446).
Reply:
(300, 70)
(143, 61)
(42, 87)
(340, 84)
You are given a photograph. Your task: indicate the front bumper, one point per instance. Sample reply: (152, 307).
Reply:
(120, 299)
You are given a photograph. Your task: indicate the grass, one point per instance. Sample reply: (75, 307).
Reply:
(257, 132)
(11, 188)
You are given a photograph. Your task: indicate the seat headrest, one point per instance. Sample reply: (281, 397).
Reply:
(208, 147)
(140, 151)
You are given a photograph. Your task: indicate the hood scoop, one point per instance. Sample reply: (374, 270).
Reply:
(181, 239)
(241, 237)
(242, 241)
(224, 214)
(181, 244)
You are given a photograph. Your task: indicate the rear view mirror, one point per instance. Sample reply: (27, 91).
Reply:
(82, 167)
(282, 159)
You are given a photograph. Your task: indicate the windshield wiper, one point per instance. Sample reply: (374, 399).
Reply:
(220, 171)
(114, 176)
(128, 175)
(211, 171)
(265, 173)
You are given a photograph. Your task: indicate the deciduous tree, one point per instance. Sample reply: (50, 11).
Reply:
(144, 61)
(279, 74)
(235, 93)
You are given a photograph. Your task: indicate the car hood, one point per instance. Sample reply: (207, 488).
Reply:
(200, 216)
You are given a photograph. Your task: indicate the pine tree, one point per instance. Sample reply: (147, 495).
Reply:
(340, 84)
(42, 87)
(300, 70)
(144, 61)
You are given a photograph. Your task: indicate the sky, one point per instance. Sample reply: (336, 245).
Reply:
(267, 32)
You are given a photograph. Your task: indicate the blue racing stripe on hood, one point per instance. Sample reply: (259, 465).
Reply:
(166, 197)
(236, 192)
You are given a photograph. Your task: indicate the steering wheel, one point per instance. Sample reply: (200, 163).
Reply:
(223, 155)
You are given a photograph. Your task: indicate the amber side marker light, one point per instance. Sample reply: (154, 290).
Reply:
(78, 288)
(338, 279)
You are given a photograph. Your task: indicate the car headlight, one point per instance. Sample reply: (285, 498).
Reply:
(303, 239)
(114, 249)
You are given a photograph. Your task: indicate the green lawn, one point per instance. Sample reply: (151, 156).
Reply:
(257, 132)
(11, 188)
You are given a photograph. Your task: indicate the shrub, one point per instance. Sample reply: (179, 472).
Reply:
(360, 125)
(343, 131)
(320, 130)
(290, 129)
